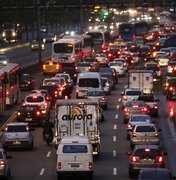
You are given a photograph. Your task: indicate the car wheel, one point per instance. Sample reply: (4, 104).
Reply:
(130, 172)
(31, 146)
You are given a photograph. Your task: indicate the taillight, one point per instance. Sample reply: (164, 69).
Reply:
(46, 105)
(44, 67)
(7, 93)
(109, 55)
(160, 73)
(57, 66)
(126, 110)
(90, 165)
(55, 93)
(38, 113)
(144, 109)
(159, 159)
(2, 164)
(114, 74)
(156, 134)
(103, 98)
(129, 125)
(27, 128)
(171, 88)
(59, 165)
(171, 112)
(155, 106)
(125, 98)
(135, 159)
(18, 114)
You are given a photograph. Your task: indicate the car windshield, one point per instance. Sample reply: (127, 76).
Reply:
(146, 153)
(19, 128)
(145, 129)
(115, 64)
(83, 64)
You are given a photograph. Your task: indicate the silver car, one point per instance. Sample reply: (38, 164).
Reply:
(17, 135)
(106, 85)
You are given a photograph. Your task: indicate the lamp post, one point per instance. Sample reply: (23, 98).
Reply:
(81, 17)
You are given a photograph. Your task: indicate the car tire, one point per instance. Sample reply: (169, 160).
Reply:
(31, 146)
(130, 172)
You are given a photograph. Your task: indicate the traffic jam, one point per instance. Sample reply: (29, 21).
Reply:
(101, 106)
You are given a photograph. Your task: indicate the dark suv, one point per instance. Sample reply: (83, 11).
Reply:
(31, 114)
(145, 156)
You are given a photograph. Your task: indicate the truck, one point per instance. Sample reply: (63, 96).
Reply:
(78, 117)
(142, 79)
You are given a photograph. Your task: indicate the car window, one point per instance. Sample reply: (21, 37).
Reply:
(19, 128)
(133, 93)
(35, 99)
(149, 153)
(145, 129)
(74, 149)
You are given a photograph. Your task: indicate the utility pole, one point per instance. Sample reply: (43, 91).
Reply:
(81, 17)
(39, 33)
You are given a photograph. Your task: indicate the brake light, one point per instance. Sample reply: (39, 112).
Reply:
(132, 61)
(156, 134)
(155, 106)
(90, 165)
(144, 109)
(159, 159)
(129, 125)
(7, 93)
(2, 164)
(103, 98)
(135, 159)
(27, 128)
(171, 112)
(59, 165)
(109, 55)
(114, 74)
(38, 113)
(171, 88)
(18, 114)
(160, 73)
(126, 110)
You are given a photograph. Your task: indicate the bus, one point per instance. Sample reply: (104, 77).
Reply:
(86, 43)
(128, 31)
(100, 38)
(12, 82)
(68, 51)
(2, 92)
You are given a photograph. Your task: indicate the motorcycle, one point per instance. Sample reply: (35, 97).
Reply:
(48, 137)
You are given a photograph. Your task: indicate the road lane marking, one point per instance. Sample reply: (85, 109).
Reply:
(116, 116)
(115, 126)
(114, 138)
(114, 171)
(48, 154)
(114, 153)
(118, 106)
(42, 171)
(119, 99)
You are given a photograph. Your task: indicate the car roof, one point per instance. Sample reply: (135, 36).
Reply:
(143, 146)
(18, 123)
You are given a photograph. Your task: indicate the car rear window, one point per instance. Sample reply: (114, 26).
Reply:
(89, 82)
(35, 99)
(149, 153)
(19, 128)
(145, 129)
(133, 93)
(74, 149)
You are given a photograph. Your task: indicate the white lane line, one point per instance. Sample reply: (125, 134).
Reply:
(118, 107)
(119, 99)
(42, 171)
(114, 171)
(114, 138)
(48, 154)
(115, 126)
(116, 116)
(114, 153)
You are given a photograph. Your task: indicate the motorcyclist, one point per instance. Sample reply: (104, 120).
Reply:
(47, 128)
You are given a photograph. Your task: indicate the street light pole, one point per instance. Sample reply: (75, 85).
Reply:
(81, 17)
(39, 33)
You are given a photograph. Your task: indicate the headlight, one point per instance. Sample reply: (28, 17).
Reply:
(3, 34)
(13, 34)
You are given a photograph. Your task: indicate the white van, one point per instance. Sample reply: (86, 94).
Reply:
(87, 80)
(75, 156)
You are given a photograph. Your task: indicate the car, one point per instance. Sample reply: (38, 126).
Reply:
(130, 94)
(168, 80)
(5, 169)
(145, 134)
(157, 73)
(171, 90)
(133, 107)
(100, 95)
(118, 66)
(144, 51)
(49, 38)
(155, 173)
(106, 85)
(17, 135)
(136, 119)
(4, 59)
(102, 59)
(160, 43)
(40, 100)
(152, 103)
(51, 66)
(163, 59)
(83, 67)
(34, 45)
(145, 156)
(94, 63)
(125, 64)
(112, 71)
(171, 68)
(110, 78)
(44, 92)
(27, 82)
(31, 114)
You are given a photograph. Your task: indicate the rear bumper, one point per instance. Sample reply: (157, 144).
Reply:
(74, 172)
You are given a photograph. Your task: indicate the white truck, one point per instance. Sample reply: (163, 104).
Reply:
(78, 117)
(142, 79)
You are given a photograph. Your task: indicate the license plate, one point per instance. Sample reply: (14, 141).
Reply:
(28, 119)
(16, 142)
(75, 165)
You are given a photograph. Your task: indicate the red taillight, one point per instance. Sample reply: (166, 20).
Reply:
(135, 159)
(171, 88)
(27, 128)
(103, 98)
(126, 110)
(46, 105)
(109, 55)
(7, 93)
(38, 113)
(171, 113)
(90, 165)
(18, 114)
(59, 165)
(160, 73)
(159, 159)
(2, 164)
(144, 109)
(114, 74)
(132, 61)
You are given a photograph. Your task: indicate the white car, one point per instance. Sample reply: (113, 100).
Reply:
(130, 94)
(118, 66)
(102, 58)
(163, 59)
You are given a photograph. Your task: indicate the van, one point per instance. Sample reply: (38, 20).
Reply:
(87, 80)
(75, 157)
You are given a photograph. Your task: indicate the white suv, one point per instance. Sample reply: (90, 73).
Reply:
(131, 94)
(40, 100)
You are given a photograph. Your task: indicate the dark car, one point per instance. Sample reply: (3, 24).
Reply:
(111, 71)
(155, 174)
(94, 63)
(145, 156)
(144, 51)
(171, 90)
(152, 103)
(27, 82)
(31, 114)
